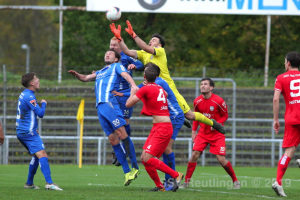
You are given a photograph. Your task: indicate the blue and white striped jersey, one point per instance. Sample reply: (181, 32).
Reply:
(173, 105)
(127, 60)
(107, 80)
(27, 112)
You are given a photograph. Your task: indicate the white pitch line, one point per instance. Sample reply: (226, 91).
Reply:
(217, 175)
(223, 192)
(197, 190)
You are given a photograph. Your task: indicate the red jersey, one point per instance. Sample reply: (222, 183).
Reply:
(213, 108)
(288, 84)
(154, 99)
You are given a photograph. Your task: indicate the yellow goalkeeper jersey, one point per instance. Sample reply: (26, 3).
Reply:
(160, 59)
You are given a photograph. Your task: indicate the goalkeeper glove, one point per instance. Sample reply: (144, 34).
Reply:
(130, 30)
(116, 31)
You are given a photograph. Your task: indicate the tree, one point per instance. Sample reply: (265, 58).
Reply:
(223, 43)
(35, 28)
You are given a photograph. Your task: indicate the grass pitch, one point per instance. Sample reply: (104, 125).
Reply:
(106, 182)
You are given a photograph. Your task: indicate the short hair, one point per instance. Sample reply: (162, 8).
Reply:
(155, 67)
(211, 83)
(117, 55)
(294, 58)
(27, 78)
(114, 38)
(151, 72)
(161, 39)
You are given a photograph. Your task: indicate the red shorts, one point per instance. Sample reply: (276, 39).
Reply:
(158, 139)
(217, 146)
(291, 136)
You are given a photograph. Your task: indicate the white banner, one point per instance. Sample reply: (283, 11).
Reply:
(243, 7)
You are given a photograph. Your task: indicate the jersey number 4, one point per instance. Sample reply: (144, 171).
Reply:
(161, 96)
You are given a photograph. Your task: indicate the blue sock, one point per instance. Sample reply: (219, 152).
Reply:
(170, 161)
(121, 156)
(45, 168)
(129, 147)
(128, 129)
(34, 164)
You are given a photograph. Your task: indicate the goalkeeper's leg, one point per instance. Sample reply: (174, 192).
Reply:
(201, 118)
(196, 115)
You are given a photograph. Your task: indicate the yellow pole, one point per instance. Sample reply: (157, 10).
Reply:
(80, 143)
(80, 116)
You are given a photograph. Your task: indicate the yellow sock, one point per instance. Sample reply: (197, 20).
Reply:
(201, 118)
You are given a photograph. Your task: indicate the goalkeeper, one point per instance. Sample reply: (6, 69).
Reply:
(155, 53)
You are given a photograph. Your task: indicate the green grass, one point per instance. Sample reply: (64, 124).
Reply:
(106, 182)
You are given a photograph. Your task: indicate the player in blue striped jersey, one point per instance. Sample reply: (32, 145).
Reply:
(124, 87)
(27, 131)
(109, 113)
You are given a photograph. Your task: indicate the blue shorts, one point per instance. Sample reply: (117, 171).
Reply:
(33, 143)
(127, 112)
(110, 117)
(177, 123)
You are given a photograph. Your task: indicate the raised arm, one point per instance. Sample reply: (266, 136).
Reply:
(128, 79)
(117, 34)
(83, 78)
(138, 40)
(133, 99)
(130, 52)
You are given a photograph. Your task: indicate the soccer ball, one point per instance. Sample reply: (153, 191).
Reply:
(113, 14)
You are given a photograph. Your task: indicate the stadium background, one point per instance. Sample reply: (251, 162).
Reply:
(216, 46)
(253, 115)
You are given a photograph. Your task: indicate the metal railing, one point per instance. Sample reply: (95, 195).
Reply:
(101, 140)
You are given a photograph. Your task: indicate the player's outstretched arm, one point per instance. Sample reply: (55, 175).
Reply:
(83, 78)
(133, 99)
(116, 31)
(129, 30)
(138, 40)
(117, 34)
(129, 52)
(128, 78)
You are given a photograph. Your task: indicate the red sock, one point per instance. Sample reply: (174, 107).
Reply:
(282, 166)
(228, 168)
(153, 175)
(161, 166)
(189, 171)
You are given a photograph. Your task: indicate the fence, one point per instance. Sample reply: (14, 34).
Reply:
(240, 149)
(250, 77)
(102, 140)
